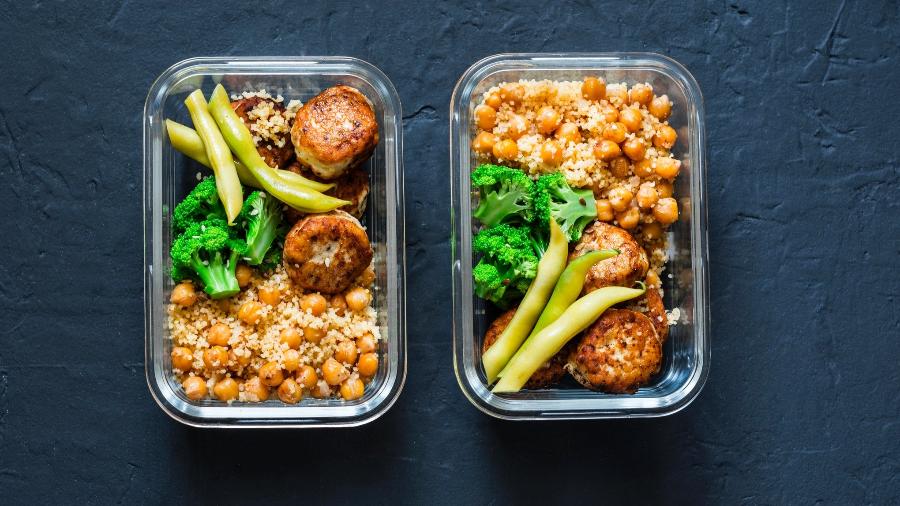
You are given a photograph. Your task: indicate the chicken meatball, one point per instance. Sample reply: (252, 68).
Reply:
(624, 269)
(326, 252)
(651, 305)
(549, 374)
(335, 131)
(353, 186)
(267, 121)
(617, 354)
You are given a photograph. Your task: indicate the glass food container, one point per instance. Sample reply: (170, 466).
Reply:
(687, 355)
(168, 176)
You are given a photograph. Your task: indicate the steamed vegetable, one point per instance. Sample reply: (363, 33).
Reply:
(508, 264)
(261, 221)
(227, 182)
(572, 209)
(209, 251)
(549, 269)
(547, 343)
(504, 195)
(202, 203)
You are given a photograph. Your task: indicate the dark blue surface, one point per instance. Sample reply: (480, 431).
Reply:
(803, 401)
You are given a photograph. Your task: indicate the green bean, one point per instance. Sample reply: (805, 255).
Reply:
(185, 140)
(547, 343)
(549, 269)
(239, 139)
(568, 288)
(227, 183)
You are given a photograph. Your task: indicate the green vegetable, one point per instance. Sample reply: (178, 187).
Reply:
(227, 182)
(186, 141)
(547, 343)
(261, 220)
(239, 139)
(508, 264)
(572, 209)
(209, 251)
(549, 269)
(201, 203)
(504, 195)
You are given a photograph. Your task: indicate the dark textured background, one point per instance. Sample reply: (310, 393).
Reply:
(803, 399)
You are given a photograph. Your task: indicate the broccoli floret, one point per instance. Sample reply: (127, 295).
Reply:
(209, 251)
(261, 220)
(201, 203)
(572, 209)
(507, 266)
(504, 193)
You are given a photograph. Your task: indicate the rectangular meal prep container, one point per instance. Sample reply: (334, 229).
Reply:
(168, 176)
(687, 350)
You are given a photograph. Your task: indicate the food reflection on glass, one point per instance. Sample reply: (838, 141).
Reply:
(273, 269)
(573, 192)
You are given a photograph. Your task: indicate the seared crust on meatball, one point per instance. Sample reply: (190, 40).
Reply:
(624, 269)
(651, 305)
(353, 186)
(335, 131)
(326, 252)
(549, 374)
(617, 354)
(267, 143)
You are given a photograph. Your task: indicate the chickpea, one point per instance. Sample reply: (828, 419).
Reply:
(620, 198)
(218, 335)
(667, 167)
(352, 389)
(615, 132)
(243, 273)
(629, 218)
(250, 312)
(660, 107)
(641, 93)
(238, 361)
(635, 148)
(643, 168)
(306, 377)
(548, 120)
(485, 117)
(652, 231)
(358, 299)
(366, 343)
(313, 335)
(619, 166)
(346, 352)
(182, 358)
(664, 188)
(493, 100)
(291, 337)
(367, 364)
(568, 132)
(616, 93)
(333, 372)
(512, 93)
(506, 149)
(604, 210)
(314, 304)
(255, 389)
(593, 88)
(183, 294)
(666, 211)
(652, 280)
(270, 374)
(518, 126)
(647, 196)
(632, 119)
(321, 391)
(194, 388)
(291, 360)
(610, 114)
(339, 304)
(367, 277)
(215, 357)
(226, 389)
(484, 142)
(290, 392)
(607, 150)
(271, 296)
(665, 137)
(552, 153)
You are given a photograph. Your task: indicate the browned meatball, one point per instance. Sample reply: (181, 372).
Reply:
(624, 269)
(651, 305)
(617, 354)
(335, 131)
(267, 121)
(549, 374)
(353, 186)
(326, 252)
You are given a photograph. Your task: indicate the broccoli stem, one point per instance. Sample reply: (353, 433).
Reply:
(218, 276)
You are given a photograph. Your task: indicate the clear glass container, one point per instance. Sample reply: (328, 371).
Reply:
(168, 176)
(687, 354)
